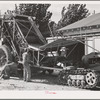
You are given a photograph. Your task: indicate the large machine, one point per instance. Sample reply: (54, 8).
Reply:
(79, 70)
(19, 32)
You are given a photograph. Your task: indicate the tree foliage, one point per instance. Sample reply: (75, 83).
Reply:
(53, 26)
(74, 13)
(40, 13)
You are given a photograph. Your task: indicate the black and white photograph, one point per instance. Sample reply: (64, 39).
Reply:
(51, 48)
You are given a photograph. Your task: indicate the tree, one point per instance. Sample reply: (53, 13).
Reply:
(53, 26)
(74, 13)
(40, 13)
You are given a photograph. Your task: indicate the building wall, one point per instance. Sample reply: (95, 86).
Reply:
(97, 43)
(92, 43)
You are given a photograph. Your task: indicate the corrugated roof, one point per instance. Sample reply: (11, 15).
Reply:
(89, 21)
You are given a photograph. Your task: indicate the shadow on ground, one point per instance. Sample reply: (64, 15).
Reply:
(48, 79)
(53, 80)
(45, 78)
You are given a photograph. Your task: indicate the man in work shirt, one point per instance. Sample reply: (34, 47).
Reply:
(26, 65)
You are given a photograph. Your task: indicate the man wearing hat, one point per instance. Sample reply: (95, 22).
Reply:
(63, 51)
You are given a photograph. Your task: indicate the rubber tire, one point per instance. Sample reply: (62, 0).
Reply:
(7, 51)
(8, 54)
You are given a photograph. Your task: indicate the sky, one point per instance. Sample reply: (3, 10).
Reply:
(55, 7)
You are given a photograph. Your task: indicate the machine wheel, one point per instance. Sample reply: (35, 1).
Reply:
(91, 79)
(69, 82)
(61, 78)
(82, 84)
(78, 82)
(73, 83)
(5, 56)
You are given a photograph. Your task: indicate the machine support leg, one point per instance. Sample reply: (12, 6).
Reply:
(38, 58)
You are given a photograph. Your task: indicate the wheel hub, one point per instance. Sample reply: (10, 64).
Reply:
(91, 78)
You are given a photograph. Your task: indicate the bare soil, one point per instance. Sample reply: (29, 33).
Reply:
(38, 82)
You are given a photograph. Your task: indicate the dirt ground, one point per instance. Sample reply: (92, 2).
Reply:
(39, 82)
